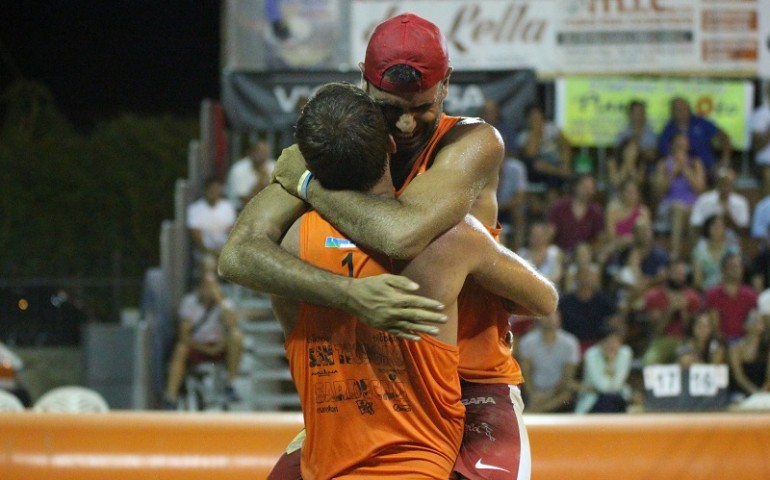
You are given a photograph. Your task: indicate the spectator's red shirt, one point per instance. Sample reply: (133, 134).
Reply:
(732, 310)
(571, 230)
(656, 300)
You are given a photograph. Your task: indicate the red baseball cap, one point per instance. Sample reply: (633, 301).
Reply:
(410, 40)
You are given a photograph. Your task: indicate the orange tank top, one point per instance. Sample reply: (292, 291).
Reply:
(485, 356)
(374, 406)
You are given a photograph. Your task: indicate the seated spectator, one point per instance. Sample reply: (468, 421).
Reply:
(582, 256)
(587, 309)
(711, 248)
(639, 131)
(627, 165)
(679, 179)
(760, 220)
(208, 331)
(701, 135)
(701, 343)
(577, 217)
(731, 300)
(759, 268)
(511, 201)
(490, 113)
(209, 220)
(549, 358)
(249, 175)
(725, 201)
(623, 213)
(760, 140)
(749, 358)
(546, 257)
(545, 150)
(606, 367)
(669, 308)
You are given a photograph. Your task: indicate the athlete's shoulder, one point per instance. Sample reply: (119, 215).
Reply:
(476, 134)
(475, 128)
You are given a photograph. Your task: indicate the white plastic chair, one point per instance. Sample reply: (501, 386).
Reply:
(10, 403)
(71, 399)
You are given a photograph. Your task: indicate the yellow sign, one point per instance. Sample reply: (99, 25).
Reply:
(592, 111)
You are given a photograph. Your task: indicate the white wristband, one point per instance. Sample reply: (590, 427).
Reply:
(304, 180)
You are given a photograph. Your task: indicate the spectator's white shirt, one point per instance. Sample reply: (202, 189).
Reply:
(214, 222)
(208, 325)
(707, 204)
(763, 302)
(761, 220)
(242, 178)
(760, 123)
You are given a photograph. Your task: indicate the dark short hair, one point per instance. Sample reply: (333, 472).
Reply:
(402, 74)
(635, 103)
(342, 134)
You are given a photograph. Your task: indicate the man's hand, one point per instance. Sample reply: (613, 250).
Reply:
(289, 167)
(383, 302)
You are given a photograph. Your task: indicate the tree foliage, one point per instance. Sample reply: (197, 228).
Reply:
(70, 203)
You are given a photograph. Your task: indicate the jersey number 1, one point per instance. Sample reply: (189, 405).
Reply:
(348, 260)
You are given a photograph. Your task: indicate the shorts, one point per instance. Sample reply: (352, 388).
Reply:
(288, 465)
(495, 444)
(194, 357)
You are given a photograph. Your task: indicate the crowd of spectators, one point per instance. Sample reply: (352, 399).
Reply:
(660, 260)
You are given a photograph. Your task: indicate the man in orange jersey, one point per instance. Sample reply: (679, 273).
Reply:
(375, 405)
(444, 168)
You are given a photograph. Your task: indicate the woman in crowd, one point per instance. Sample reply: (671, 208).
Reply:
(679, 179)
(706, 258)
(701, 345)
(749, 357)
(606, 367)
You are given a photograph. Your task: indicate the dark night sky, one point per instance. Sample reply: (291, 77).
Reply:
(103, 58)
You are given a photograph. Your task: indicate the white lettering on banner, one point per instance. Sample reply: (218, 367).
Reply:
(485, 35)
(461, 99)
(288, 100)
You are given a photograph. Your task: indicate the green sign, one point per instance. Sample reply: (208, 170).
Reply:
(591, 111)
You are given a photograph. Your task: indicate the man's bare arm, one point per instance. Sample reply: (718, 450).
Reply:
(253, 258)
(432, 203)
(506, 274)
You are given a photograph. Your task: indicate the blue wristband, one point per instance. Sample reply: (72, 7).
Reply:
(304, 181)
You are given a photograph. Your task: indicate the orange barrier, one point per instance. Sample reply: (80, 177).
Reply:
(166, 446)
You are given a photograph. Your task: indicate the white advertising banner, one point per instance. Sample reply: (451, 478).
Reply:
(555, 37)
(764, 40)
(483, 35)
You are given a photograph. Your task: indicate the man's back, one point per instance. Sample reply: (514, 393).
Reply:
(373, 404)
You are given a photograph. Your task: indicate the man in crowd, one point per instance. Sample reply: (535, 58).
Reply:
(249, 175)
(701, 133)
(549, 358)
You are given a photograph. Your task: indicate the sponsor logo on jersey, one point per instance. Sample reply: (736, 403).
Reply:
(332, 242)
(478, 401)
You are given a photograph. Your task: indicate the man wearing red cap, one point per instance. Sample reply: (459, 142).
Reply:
(444, 168)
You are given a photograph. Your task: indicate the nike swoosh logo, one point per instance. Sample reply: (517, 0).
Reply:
(483, 466)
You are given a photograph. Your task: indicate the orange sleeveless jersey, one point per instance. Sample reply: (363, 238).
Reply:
(374, 406)
(485, 356)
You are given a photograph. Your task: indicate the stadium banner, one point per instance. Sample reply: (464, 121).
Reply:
(592, 110)
(270, 101)
(764, 41)
(557, 37)
(553, 37)
(281, 35)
